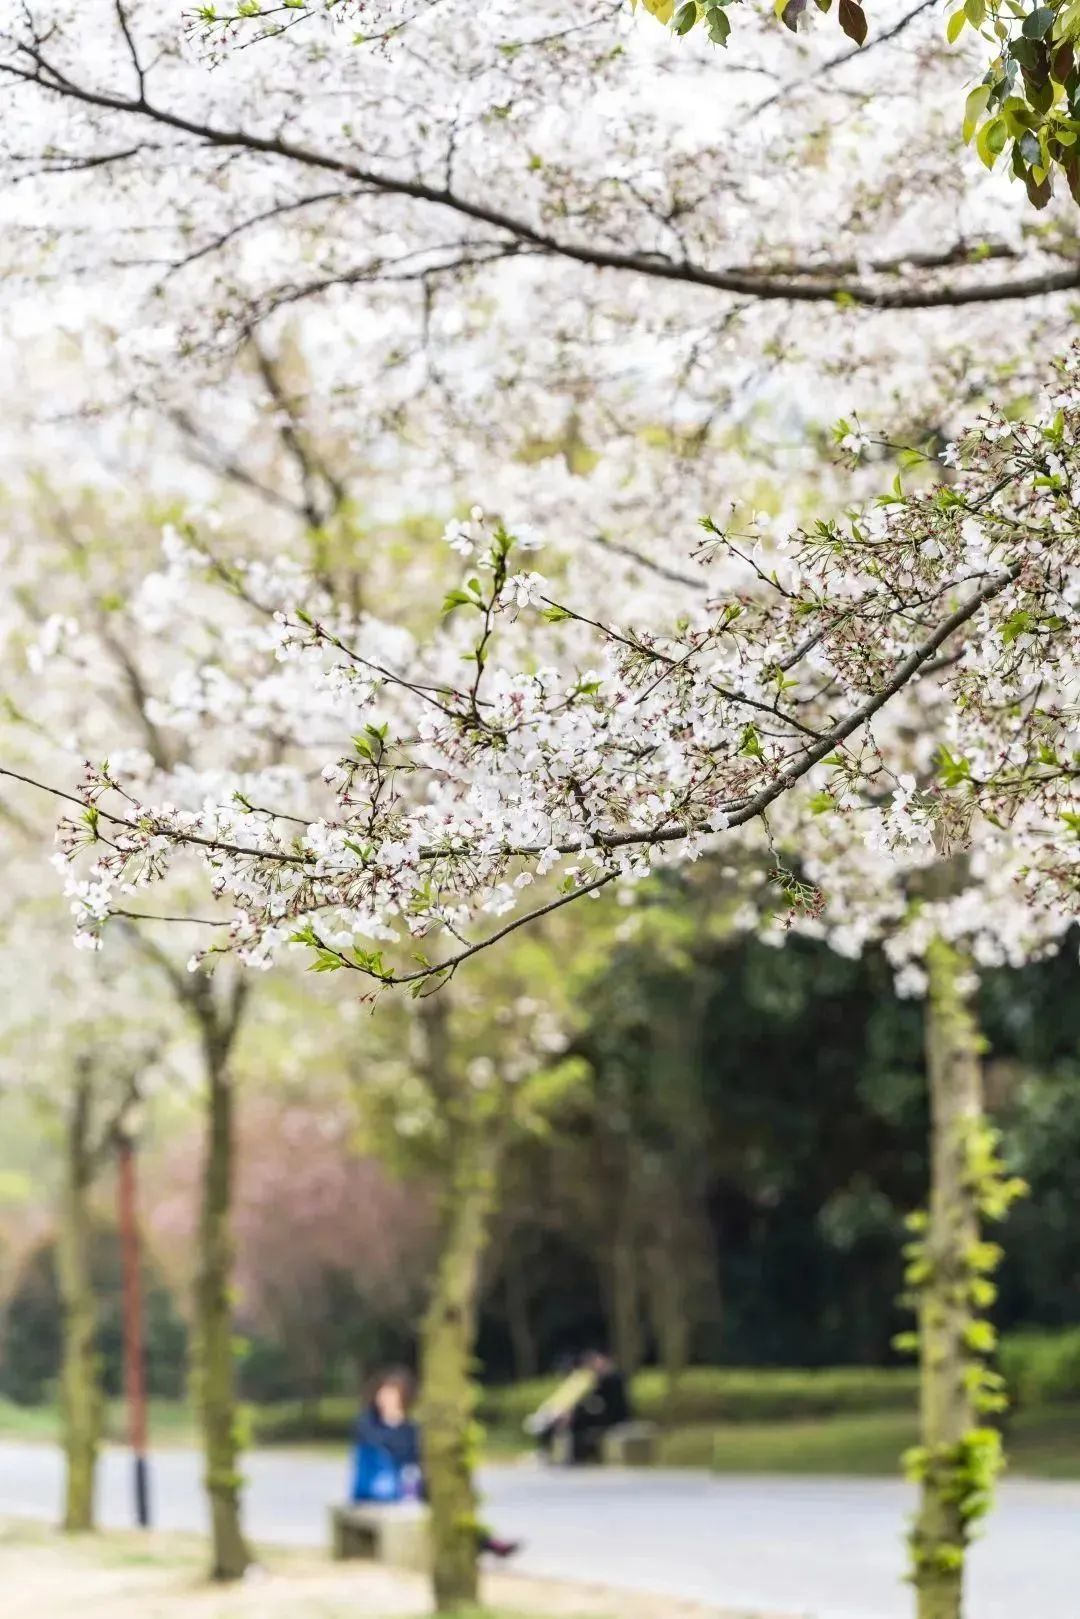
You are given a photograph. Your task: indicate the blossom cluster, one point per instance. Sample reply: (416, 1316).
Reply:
(378, 795)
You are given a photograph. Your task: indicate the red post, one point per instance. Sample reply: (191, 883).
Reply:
(134, 1368)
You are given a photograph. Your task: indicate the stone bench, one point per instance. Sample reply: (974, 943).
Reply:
(396, 1534)
(630, 1444)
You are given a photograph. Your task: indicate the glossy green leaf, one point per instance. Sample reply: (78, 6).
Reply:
(975, 108)
(990, 141)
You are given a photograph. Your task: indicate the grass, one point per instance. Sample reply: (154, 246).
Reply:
(1042, 1441)
(171, 1421)
(721, 1394)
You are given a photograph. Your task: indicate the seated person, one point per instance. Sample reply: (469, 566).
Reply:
(386, 1457)
(552, 1420)
(605, 1406)
(590, 1401)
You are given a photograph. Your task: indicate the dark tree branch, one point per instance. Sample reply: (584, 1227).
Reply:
(747, 281)
(125, 29)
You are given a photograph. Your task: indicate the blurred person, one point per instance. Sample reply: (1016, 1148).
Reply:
(582, 1409)
(605, 1406)
(387, 1461)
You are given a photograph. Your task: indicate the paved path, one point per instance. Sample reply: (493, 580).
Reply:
(827, 1548)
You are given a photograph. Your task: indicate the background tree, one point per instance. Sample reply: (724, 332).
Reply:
(82, 1072)
(472, 1086)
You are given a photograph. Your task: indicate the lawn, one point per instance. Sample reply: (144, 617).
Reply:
(1041, 1443)
(171, 1421)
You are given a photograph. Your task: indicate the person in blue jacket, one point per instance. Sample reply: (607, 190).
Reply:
(387, 1463)
(386, 1457)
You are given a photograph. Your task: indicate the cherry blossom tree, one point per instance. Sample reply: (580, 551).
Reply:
(111, 675)
(76, 1044)
(963, 859)
(456, 1085)
(455, 796)
(413, 260)
(942, 916)
(578, 339)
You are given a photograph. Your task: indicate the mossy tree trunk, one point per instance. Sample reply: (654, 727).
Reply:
(447, 1400)
(946, 1313)
(214, 1361)
(81, 1403)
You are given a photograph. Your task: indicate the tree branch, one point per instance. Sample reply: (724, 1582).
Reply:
(860, 51)
(745, 281)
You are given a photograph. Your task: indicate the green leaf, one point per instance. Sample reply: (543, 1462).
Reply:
(1030, 150)
(990, 141)
(750, 744)
(1024, 51)
(458, 598)
(974, 109)
(952, 771)
(955, 27)
(1038, 24)
(685, 17)
(975, 12)
(1017, 625)
(719, 25)
(326, 962)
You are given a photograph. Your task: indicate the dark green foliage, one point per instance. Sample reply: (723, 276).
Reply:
(30, 1354)
(708, 1394)
(785, 1088)
(1041, 1368)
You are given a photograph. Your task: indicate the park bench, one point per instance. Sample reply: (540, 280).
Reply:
(630, 1444)
(396, 1534)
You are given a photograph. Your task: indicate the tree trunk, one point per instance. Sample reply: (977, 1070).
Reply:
(81, 1401)
(448, 1397)
(624, 1288)
(945, 1310)
(522, 1336)
(214, 1361)
(668, 1301)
